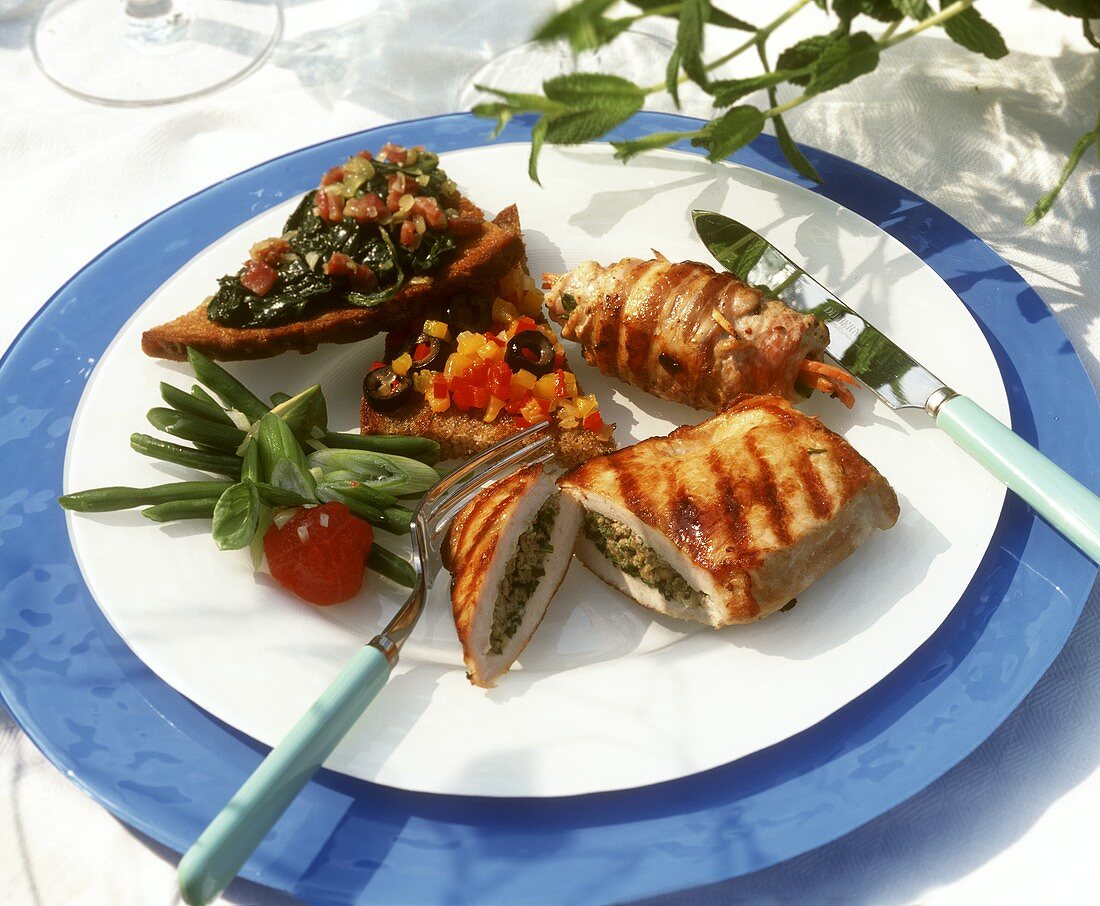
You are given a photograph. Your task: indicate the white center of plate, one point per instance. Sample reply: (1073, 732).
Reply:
(607, 695)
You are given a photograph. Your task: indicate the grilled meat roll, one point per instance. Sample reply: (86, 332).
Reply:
(507, 552)
(727, 521)
(684, 332)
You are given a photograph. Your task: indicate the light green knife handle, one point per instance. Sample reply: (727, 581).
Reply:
(1060, 499)
(215, 858)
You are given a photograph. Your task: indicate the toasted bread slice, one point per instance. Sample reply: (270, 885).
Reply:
(507, 551)
(760, 502)
(463, 434)
(480, 261)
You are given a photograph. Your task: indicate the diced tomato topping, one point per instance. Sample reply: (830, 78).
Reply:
(330, 206)
(593, 421)
(421, 352)
(500, 380)
(336, 174)
(320, 553)
(339, 265)
(270, 251)
(394, 153)
(428, 208)
(439, 387)
(359, 276)
(409, 236)
(524, 323)
(259, 277)
(465, 225)
(366, 155)
(365, 208)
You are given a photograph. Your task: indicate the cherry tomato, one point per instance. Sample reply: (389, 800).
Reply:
(320, 553)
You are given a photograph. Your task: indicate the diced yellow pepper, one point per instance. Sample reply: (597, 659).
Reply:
(570, 383)
(456, 364)
(439, 405)
(568, 422)
(402, 364)
(492, 410)
(491, 352)
(469, 342)
(423, 380)
(524, 379)
(533, 412)
(586, 405)
(546, 386)
(437, 329)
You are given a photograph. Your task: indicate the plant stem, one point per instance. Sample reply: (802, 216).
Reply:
(760, 33)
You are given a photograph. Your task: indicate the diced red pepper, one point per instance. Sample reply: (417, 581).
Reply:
(439, 387)
(377, 365)
(421, 352)
(320, 553)
(476, 374)
(259, 277)
(517, 399)
(492, 336)
(525, 323)
(500, 380)
(561, 389)
(593, 421)
(559, 359)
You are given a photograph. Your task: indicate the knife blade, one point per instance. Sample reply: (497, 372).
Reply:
(902, 382)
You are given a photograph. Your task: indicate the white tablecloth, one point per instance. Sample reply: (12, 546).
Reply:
(981, 139)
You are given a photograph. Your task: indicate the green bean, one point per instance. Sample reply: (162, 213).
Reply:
(359, 491)
(219, 463)
(276, 496)
(105, 500)
(226, 438)
(198, 393)
(227, 388)
(422, 448)
(193, 405)
(391, 566)
(201, 508)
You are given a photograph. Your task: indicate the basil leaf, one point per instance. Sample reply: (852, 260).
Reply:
(968, 29)
(734, 129)
(236, 516)
(289, 475)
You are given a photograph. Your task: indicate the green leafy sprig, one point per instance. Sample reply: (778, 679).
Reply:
(581, 107)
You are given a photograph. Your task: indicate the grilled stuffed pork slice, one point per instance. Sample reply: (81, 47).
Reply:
(727, 521)
(507, 552)
(688, 333)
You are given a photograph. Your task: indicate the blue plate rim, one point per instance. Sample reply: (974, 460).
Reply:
(404, 846)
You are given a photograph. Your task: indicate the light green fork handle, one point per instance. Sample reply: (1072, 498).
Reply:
(1060, 499)
(215, 858)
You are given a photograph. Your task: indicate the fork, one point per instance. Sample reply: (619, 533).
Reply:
(218, 854)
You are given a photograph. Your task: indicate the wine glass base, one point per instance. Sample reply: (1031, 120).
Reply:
(633, 55)
(149, 52)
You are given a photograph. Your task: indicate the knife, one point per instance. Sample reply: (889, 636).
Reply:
(902, 382)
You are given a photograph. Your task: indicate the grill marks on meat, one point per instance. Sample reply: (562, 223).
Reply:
(652, 324)
(758, 501)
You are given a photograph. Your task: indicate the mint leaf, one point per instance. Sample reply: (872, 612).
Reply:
(1079, 9)
(500, 111)
(971, 31)
(717, 17)
(734, 129)
(914, 9)
(847, 58)
(579, 126)
(802, 54)
(672, 77)
(791, 151)
(727, 91)
(625, 150)
(522, 103)
(582, 24)
(689, 39)
(883, 10)
(538, 136)
(592, 89)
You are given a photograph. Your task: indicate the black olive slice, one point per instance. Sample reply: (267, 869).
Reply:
(530, 349)
(436, 358)
(385, 390)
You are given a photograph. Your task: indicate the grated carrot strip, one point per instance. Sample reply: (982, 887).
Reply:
(825, 385)
(832, 372)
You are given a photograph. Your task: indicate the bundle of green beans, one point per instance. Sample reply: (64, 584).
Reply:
(272, 457)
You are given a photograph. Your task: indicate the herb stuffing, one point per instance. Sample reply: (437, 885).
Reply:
(372, 224)
(522, 576)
